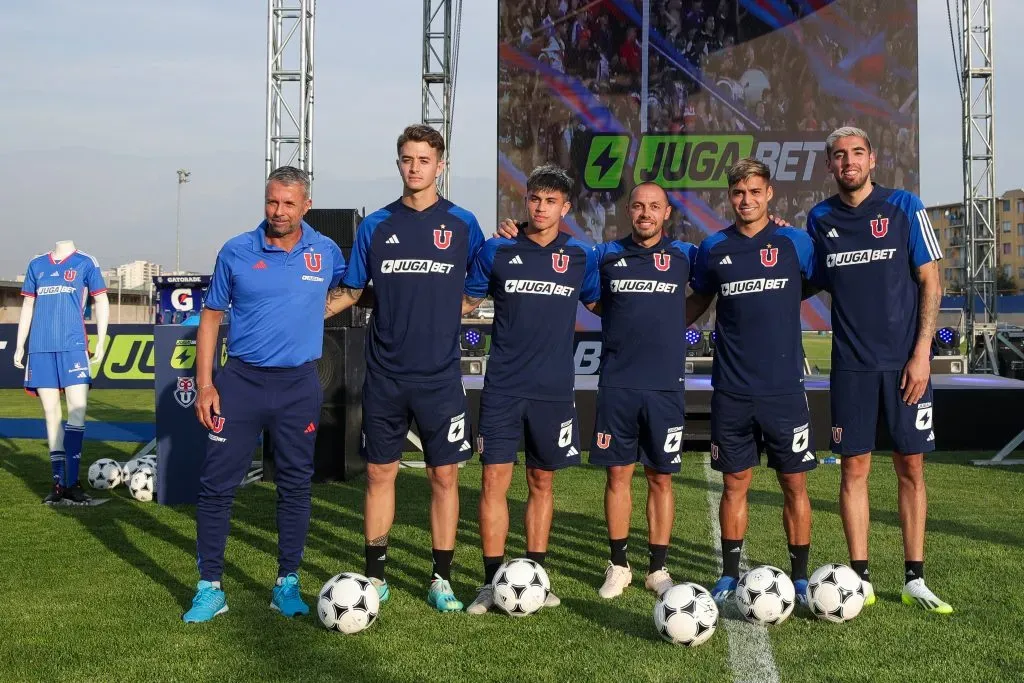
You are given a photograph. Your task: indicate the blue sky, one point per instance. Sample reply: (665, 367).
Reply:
(104, 101)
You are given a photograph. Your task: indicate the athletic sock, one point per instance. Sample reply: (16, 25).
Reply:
(491, 567)
(731, 550)
(798, 561)
(57, 467)
(442, 564)
(376, 557)
(912, 571)
(536, 556)
(657, 554)
(618, 551)
(861, 567)
(73, 436)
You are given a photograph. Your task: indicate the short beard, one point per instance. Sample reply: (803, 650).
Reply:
(851, 187)
(272, 232)
(647, 235)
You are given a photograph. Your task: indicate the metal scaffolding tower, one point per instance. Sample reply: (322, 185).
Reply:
(439, 73)
(290, 84)
(979, 185)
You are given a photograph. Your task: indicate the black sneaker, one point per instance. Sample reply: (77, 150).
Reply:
(76, 494)
(55, 496)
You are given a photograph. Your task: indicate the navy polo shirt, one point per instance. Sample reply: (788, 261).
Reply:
(536, 291)
(643, 313)
(867, 259)
(276, 297)
(759, 283)
(417, 261)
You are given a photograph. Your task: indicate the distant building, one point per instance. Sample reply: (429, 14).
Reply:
(136, 274)
(950, 227)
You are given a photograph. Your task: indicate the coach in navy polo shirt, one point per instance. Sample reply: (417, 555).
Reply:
(275, 281)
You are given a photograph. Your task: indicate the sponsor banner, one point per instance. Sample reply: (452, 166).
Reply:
(130, 360)
(724, 81)
(200, 281)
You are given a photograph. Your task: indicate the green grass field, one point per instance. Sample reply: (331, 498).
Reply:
(96, 594)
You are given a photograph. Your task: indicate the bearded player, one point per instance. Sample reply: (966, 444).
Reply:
(878, 258)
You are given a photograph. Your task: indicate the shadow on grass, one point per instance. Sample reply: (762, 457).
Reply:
(889, 517)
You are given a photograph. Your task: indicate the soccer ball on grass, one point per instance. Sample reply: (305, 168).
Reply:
(835, 593)
(686, 615)
(104, 474)
(520, 587)
(348, 603)
(765, 595)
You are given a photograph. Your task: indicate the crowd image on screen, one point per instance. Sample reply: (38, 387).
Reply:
(753, 79)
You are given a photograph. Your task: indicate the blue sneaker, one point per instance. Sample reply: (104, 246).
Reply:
(383, 591)
(208, 603)
(441, 596)
(801, 591)
(286, 598)
(724, 589)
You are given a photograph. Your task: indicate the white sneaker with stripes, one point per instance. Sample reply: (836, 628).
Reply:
(916, 593)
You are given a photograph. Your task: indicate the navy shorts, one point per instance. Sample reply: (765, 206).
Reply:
(551, 429)
(439, 408)
(57, 370)
(743, 426)
(638, 425)
(857, 400)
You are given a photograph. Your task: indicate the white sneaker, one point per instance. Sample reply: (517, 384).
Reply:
(916, 593)
(483, 602)
(869, 593)
(658, 581)
(616, 579)
(552, 600)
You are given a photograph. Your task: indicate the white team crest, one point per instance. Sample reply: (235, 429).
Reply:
(185, 391)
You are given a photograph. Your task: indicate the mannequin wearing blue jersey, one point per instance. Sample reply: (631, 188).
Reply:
(877, 253)
(54, 296)
(416, 251)
(757, 270)
(536, 279)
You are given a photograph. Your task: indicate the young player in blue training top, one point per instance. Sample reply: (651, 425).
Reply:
(640, 404)
(757, 270)
(536, 279)
(877, 256)
(274, 280)
(416, 251)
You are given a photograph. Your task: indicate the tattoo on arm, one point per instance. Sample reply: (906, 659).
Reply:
(378, 542)
(928, 304)
(336, 299)
(469, 303)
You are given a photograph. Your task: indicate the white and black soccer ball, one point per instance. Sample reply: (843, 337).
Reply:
(686, 614)
(148, 460)
(520, 587)
(765, 595)
(835, 593)
(348, 603)
(142, 485)
(128, 469)
(104, 474)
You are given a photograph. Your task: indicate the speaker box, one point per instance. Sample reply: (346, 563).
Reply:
(340, 225)
(341, 370)
(337, 224)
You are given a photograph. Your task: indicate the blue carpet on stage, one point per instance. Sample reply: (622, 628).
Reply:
(35, 428)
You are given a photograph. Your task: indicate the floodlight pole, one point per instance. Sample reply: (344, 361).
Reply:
(183, 176)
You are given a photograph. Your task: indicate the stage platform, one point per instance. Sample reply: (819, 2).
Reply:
(972, 412)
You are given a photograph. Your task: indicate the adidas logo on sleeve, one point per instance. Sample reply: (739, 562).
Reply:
(727, 261)
(392, 240)
(621, 263)
(516, 260)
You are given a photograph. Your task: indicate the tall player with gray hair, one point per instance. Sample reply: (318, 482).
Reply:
(877, 255)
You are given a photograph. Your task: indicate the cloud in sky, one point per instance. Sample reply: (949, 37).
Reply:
(105, 101)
